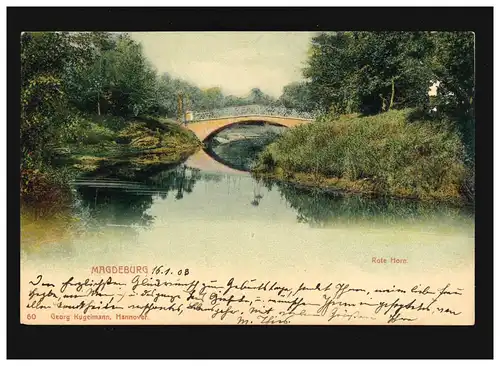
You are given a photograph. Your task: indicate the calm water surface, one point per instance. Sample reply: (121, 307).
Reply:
(209, 212)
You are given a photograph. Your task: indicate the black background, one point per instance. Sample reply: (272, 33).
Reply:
(284, 342)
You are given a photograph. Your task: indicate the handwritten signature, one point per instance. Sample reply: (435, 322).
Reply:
(247, 301)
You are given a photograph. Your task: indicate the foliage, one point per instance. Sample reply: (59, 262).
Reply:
(453, 66)
(257, 96)
(67, 78)
(369, 72)
(385, 153)
(139, 136)
(45, 193)
(376, 72)
(373, 72)
(201, 100)
(297, 96)
(44, 120)
(213, 98)
(116, 78)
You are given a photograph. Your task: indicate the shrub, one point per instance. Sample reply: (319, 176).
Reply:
(45, 193)
(422, 159)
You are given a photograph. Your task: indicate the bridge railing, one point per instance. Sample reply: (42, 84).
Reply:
(250, 110)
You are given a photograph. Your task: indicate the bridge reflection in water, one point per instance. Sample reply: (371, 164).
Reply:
(203, 161)
(210, 184)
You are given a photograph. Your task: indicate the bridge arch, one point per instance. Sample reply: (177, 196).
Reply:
(229, 125)
(206, 128)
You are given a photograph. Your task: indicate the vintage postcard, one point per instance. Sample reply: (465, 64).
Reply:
(251, 178)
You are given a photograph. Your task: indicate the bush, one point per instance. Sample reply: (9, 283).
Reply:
(46, 193)
(97, 134)
(421, 159)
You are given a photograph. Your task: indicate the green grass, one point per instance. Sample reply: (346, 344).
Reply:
(147, 140)
(382, 154)
(109, 130)
(103, 140)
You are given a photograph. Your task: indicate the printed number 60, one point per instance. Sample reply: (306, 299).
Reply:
(31, 316)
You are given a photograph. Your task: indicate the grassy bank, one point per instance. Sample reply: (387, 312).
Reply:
(383, 154)
(103, 141)
(143, 140)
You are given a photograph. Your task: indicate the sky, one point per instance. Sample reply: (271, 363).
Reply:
(234, 61)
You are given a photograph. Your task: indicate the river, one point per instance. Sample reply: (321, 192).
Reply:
(217, 218)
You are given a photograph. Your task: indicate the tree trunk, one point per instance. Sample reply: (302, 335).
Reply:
(180, 107)
(98, 104)
(383, 102)
(392, 95)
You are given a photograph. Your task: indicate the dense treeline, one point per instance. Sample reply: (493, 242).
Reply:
(410, 135)
(69, 76)
(88, 93)
(198, 99)
(374, 72)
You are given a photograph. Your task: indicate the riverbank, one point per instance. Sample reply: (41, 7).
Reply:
(381, 155)
(104, 142)
(142, 140)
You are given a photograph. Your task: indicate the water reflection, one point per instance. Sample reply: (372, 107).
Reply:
(126, 194)
(123, 193)
(132, 197)
(256, 194)
(238, 147)
(320, 209)
(212, 216)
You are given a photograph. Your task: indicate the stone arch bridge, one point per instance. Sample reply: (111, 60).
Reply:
(207, 128)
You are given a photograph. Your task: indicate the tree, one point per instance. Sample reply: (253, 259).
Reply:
(166, 96)
(328, 70)
(213, 98)
(86, 76)
(132, 79)
(369, 72)
(297, 96)
(113, 73)
(257, 96)
(453, 67)
(393, 70)
(233, 101)
(45, 119)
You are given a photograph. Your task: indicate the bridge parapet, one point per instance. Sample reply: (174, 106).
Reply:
(206, 128)
(251, 110)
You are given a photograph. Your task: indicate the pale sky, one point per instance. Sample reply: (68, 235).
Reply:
(234, 61)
